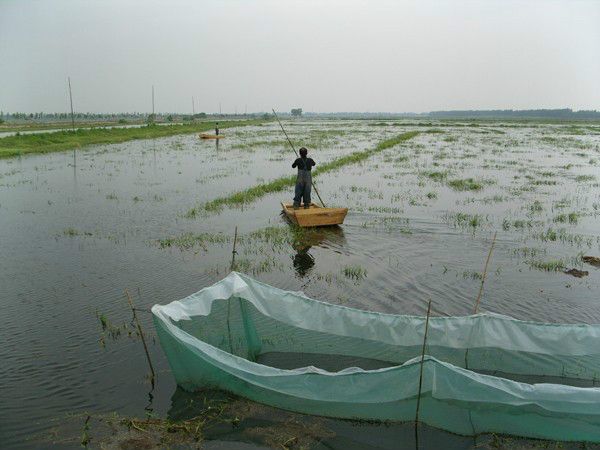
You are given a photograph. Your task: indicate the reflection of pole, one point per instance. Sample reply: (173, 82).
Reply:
(71, 100)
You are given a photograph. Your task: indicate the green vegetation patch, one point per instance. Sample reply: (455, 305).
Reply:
(282, 183)
(11, 146)
(465, 184)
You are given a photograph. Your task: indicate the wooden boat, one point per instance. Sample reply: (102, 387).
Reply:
(315, 215)
(211, 136)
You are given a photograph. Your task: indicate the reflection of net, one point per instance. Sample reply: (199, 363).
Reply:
(276, 337)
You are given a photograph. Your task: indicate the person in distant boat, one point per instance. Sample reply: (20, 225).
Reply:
(217, 128)
(304, 179)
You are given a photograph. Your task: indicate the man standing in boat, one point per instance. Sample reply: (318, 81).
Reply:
(304, 179)
(217, 128)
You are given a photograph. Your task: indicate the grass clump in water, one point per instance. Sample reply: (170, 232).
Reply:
(465, 184)
(553, 265)
(356, 273)
(11, 146)
(191, 240)
(282, 183)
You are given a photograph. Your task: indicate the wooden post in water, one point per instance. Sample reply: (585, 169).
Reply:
(139, 327)
(71, 101)
(422, 360)
(152, 100)
(478, 300)
(487, 261)
(233, 252)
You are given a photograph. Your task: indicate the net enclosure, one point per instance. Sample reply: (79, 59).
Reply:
(284, 349)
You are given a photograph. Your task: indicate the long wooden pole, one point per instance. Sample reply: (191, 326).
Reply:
(478, 300)
(487, 261)
(71, 100)
(422, 360)
(297, 156)
(233, 252)
(139, 327)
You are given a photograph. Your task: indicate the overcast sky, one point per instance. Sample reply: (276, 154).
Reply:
(321, 55)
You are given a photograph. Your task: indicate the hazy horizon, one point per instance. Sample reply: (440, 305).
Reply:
(379, 56)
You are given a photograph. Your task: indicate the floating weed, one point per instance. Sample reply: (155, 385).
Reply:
(536, 207)
(548, 235)
(191, 240)
(354, 272)
(70, 232)
(529, 252)
(472, 274)
(464, 220)
(553, 265)
(570, 218)
(465, 184)
(437, 176)
(112, 196)
(584, 178)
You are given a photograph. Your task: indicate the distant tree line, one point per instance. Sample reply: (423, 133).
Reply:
(565, 113)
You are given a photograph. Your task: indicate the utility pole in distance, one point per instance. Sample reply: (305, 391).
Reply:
(193, 107)
(71, 100)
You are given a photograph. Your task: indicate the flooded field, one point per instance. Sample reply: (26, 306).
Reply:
(78, 228)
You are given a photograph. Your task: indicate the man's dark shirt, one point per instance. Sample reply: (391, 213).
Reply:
(304, 163)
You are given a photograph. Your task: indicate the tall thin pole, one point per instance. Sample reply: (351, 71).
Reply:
(153, 101)
(422, 359)
(219, 108)
(297, 156)
(193, 107)
(71, 100)
(233, 252)
(139, 327)
(487, 261)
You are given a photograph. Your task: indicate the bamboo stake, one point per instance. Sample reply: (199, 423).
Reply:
(71, 100)
(233, 252)
(297, 156)
(487, 261)
(478, 300)
(139, 327)
(422, 359)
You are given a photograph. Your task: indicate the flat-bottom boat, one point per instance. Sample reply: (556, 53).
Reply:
(211, 136)
(314, 215)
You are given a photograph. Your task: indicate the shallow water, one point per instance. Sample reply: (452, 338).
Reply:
(78, 228)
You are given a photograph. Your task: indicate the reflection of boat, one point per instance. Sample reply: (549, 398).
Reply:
(287, 350)
(211, 136)
(314, 216)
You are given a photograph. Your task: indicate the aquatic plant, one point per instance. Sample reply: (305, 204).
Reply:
(282, 183)
(67, 139)
(354, 272)
(190, 240)
(465, 184)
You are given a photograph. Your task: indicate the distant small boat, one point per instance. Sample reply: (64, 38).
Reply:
(314, 216)
(211, 136)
